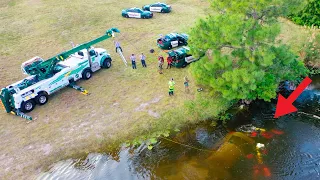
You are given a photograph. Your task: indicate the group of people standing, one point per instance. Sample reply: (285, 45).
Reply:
(171, 84)
(133, 60)
(160, 65)
(132, 57)
(161, 62)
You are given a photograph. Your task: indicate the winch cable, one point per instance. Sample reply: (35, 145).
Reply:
(189, 146)
(186, 145)
(312, 115)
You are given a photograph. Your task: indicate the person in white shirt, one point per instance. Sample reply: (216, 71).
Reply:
(117, 44)
(143, 60)
(133, 61)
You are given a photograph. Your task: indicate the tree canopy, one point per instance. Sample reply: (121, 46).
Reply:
(310, 15)
(243, 59)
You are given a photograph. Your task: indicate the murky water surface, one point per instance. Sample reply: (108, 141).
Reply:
(291, 150)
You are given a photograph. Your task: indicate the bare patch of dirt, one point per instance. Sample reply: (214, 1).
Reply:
(143, 106)
(46, 148)
(34, 2)
(153, 114)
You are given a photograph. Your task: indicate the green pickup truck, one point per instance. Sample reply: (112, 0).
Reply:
(181, 57)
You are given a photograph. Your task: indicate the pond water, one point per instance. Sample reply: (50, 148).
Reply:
(291, 149)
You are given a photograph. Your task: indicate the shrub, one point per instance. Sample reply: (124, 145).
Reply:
(309, 15)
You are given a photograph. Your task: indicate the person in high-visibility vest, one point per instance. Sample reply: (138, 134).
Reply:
(171, 87)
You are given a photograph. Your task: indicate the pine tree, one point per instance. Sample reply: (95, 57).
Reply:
(245, 63)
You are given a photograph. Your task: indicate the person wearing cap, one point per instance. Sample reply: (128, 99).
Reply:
(133, 61)
(171, 87)
(143, 60)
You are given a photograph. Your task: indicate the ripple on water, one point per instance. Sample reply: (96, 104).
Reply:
(209, 140)
(296, 154)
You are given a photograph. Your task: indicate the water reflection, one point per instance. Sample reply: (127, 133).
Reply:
(293, 154)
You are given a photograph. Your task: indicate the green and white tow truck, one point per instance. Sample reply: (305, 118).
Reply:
(48, 76)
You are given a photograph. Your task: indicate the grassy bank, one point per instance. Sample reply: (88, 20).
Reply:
(297, 37)
(123, 102)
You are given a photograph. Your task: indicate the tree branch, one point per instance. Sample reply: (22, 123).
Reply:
(228, 46)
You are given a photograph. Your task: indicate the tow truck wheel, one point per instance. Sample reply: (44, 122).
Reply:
(42, 99)
(170, 47)
(86, 74)
(106, 63)
(162, 11)
(27, 106)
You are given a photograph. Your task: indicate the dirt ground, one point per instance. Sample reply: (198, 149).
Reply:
(72, 124)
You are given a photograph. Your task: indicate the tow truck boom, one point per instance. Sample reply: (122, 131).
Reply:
(44, 69)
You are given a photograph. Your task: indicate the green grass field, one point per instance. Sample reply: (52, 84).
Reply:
(122, 100)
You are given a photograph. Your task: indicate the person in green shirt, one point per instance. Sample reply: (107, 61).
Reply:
(171, 87)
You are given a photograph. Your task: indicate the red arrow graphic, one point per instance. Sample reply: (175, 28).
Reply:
(284, 106)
